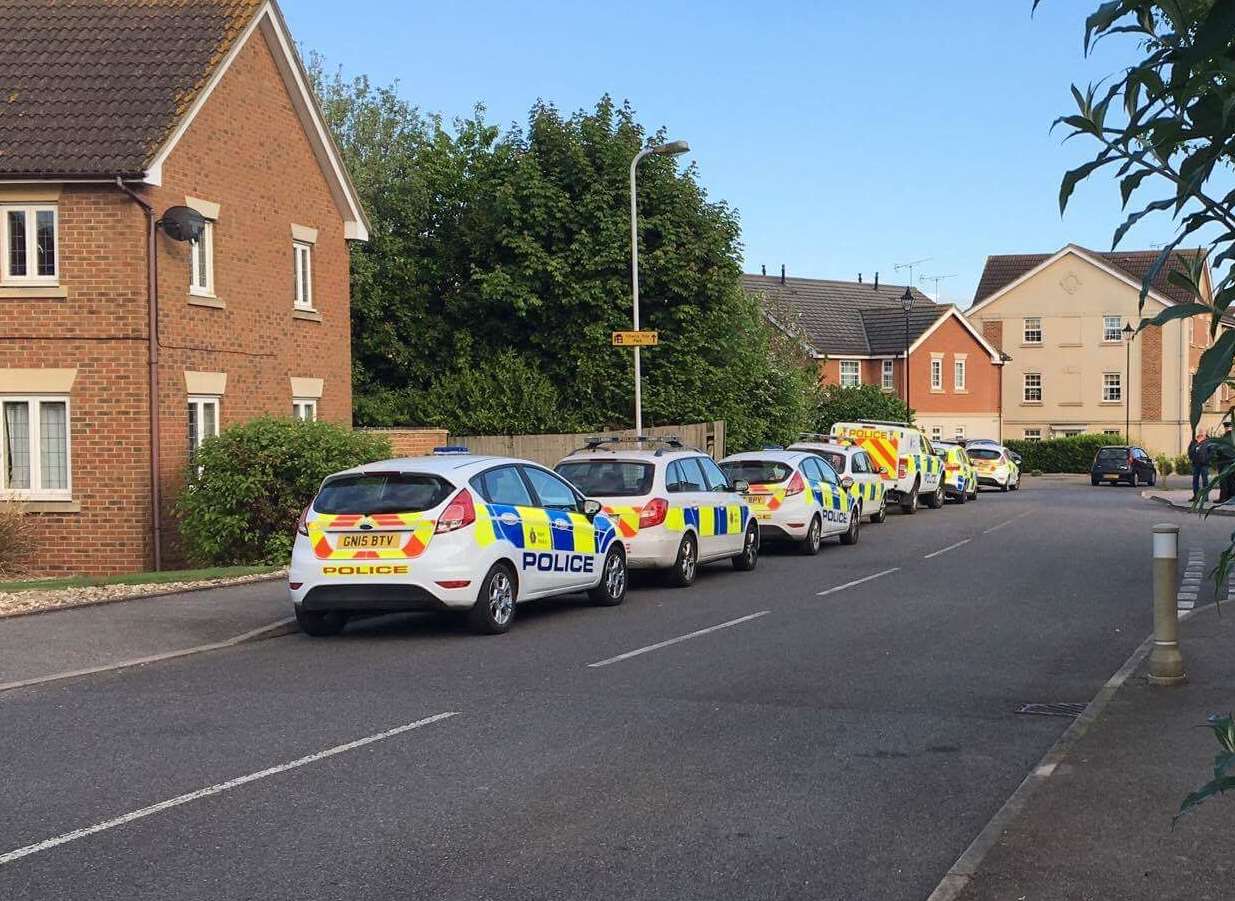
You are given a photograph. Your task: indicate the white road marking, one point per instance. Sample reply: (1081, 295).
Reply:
(672, 641)
(1006, 522)
(216, 789)
(944, 550)
(858, 581)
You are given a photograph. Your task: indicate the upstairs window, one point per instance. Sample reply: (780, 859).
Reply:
(1033, 330)
(29, 241)
(959, 374)
(201, 259)
(850, 373)
(888, 383)
(1112, 328)
(302, 272)
(936, 375)
(1112, 387)
(1033, 388)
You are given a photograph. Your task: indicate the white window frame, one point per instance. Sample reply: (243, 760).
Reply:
(887, 375)
(1033, 434)
(36, 491)
(204, 244)
(960, 433)
(304, 409)
(32, 254)
(1106, 329)
(936, 433)
(856, 380)
(200, 402)
(1027, 330)
(1117, 396)
(958, 375)
(302, 275)
(936, 374)
(1026, 388)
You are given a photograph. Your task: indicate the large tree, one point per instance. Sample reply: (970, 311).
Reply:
(499, 263)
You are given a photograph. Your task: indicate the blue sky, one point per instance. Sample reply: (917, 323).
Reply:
(849, 136)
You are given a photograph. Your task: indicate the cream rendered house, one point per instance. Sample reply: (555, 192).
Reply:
(1060, 317)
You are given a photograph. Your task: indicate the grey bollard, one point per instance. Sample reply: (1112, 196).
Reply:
(1166, 663)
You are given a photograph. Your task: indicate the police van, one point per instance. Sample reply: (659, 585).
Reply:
(451, 531)
(671, 505)
(795, 496)
(910, 468)
(858, 473)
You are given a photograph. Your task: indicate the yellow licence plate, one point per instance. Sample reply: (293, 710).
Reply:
(370, 541)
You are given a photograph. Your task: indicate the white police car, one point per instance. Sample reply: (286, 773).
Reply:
(672, 506)
(795, 496)
(452, 531)
(858, 472)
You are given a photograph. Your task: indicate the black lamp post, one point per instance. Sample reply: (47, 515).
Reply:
(1129, 333)
(907, 305)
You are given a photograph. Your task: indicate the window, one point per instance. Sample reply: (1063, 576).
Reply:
(1111, 432)
(850, 373)
(609, 478)
(1111, 328)
(203, 421)
(936, 433)
(958, 372)
(1033, 434)
(827, 471)
(888, 383)
(1112, 387)
(503, 485)
(304, 408)
(858, 463)
(960, 433)
(28, 238)
(760, 472)
(683, 475)
(382, 492)
(936, 375)
(34, 447)
(550, 490)
(1033, 388)
(302, 269)
(713, 478)
(1033, 330)
(201, 262)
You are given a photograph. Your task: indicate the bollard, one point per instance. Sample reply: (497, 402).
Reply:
(1166, 664)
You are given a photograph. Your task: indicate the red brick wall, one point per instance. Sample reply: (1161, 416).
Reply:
(1151, 375)
(981, 393)
(412, 442)
(992, 331)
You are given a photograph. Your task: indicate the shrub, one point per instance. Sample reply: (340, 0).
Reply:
(1166, 465)
(246, 488)
(837, 404)
(1183, 465)
(1072, 454)
(17, 538)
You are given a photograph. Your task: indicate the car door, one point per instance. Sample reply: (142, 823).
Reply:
(725, 502)
(509, 500)
(1144, 465)
(690, 485)
(573, 547)
(866, 480)
(834, 502)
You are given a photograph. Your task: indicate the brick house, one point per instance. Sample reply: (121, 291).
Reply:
(1060, 317)
(857, 332)
(112, 112)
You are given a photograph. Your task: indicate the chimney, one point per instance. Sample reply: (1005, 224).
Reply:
(763, 270)
(782, 273)
(859, 278)
(876, 279)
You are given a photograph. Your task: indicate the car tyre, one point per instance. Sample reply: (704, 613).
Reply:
(749, 558)
(935, 500)
(910, 505)
(1095, 481)
(850, 535)
(963, 497)
(1006, 485)
(880, 515)
(320, 623)
(1153, 479)
(814, 538)
(1135, 481)
(611, 590)
(495, 602)
(686, 565)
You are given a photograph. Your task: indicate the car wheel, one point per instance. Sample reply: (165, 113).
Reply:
(1094, 480)
(1153, 479)
(814, 538)
(612, 588)
(1136, 481)
(746, 561)
(910, 504)
(1016, 486)
(320, 623)
(963, 496)
(850, 535)
(686, 566)
(935, 500)
(880, 515)
(1005, 485)
(495, 602)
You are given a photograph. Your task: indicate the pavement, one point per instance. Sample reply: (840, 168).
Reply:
(836, 727)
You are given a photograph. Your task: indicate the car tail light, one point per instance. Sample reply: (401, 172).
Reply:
(455, 583)
(951, 467)
(294, 586)
(302, 525)
(796, 485)
(653, 512)
(460, 512)
(902, 469)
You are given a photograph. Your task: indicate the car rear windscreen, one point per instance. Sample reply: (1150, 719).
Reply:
(609, 478)
(757, 472)
(382, 492)
(983, 453)
(1113, 454)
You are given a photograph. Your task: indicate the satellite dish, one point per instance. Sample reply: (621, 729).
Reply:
(182, 223)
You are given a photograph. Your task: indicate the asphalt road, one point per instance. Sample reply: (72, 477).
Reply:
(845, 745)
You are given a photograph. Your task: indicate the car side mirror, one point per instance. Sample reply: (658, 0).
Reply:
(847, 482)
(591, 507)
(741, 486)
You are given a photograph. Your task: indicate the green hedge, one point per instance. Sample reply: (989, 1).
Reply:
(1072, 454)
(246, 488)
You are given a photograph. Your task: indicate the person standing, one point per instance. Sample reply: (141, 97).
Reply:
(1198, 456)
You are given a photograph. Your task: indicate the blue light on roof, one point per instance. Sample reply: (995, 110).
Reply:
(448, 449)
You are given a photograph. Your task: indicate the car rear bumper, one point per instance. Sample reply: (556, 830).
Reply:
(371, 599)
(652, 548)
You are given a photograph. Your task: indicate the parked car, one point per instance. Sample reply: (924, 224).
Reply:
(960, 479)
(995, 467)
(1123, 463)
(858, 472)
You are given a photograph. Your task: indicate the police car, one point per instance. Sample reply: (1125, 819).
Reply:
(795, 496)
(671, 505)
(451, 531)
(911, 471)
(995, 466)
(858, 473)
(960, 479)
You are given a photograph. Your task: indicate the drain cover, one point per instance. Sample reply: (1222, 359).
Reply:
(1052, 709)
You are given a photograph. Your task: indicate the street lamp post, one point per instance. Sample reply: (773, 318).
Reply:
(673, 148)
(1129, 333)
(907, 305)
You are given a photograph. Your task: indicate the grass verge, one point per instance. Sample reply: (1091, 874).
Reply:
(176, 575)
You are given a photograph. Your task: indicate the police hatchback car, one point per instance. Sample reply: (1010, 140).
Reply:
(795, 496)
(858, 473)
(671, 505)
(452, 531)
(960, 479)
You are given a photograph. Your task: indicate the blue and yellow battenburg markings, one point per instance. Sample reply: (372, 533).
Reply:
(723, 519)
(867, 492)
(537, 529)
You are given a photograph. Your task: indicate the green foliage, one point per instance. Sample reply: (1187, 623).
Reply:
(1183, 466)
(499, 264)
(1166, 465)
(247, 487)
(1223, 728)
(1073, 453)
(837, 404)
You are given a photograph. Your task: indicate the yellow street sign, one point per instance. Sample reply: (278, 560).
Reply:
(636, 339)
